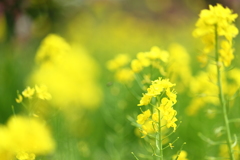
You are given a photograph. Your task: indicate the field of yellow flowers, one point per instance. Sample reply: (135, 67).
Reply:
(119, 80)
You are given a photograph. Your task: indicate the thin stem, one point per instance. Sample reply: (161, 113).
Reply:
(160, 136)
(222, 99)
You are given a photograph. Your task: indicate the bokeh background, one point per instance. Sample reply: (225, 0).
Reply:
(101, 29)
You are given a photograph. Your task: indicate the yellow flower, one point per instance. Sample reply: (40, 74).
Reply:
(25, 156)
(141, 118)
(70, 74)
(19, 99)
(29, 135)
(226, 53)
(182, 156)
(136, 65)
(145, 100)
(124, 75)
(172, 96)
(142, 57)
(119, 61)
(217, 20)
(25, 137)
(224, 151)
(42, 92)
(52, 49)
(147, 128)
(216, 16)
(28, 92)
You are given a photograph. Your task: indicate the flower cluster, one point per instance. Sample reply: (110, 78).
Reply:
(25, 137)
(213, 23)
(166, 97)
(69, 72)
(40, 91)
(119, 64)
(153, 57)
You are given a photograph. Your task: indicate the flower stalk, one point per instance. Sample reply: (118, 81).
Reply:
(160, 136)
(222, 99)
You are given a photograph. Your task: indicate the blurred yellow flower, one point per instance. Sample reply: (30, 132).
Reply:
(226, 53)
(25, 137)
(136, 66)
(180, 75)
(224, 151)
(142, 57)
(119, 61)
(19, 98)
(125, 75)
(29, 135)
(42, 92)
(69, 73)
(182, 156)
(157, 53)
(52, 49)
(25, 156)
(28, 92)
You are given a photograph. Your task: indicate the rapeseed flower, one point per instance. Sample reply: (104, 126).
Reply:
(19, 98)
(25, 156)
(217, 21)
(25, 137)
(119, 61)
(155, 57)
(68, 72)
(182, 156)
(28, 92)
(224, 151)
(42, 92)
(141, 118)
(181, 75)
(164, 105)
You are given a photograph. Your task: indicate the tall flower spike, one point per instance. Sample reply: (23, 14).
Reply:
(217, 21)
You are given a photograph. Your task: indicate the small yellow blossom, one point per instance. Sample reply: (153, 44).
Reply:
(42, 92)
(119, 61)
(19, 99)
(182, 156)
(141, 118)
(157, 53)
(125, 75)
(142, 57)
(226, 53)
(52, 48)
(145, 100)
(171, 95)
(136, 66)
(28, 92)
(224, 151)
(25, 156)
(171, 145)
(147, 128)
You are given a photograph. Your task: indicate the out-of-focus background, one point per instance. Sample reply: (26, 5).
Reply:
(98, 30)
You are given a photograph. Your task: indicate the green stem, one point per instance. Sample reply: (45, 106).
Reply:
(160, 147)
(222, 99)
